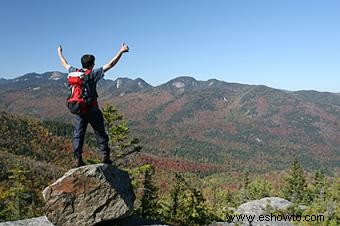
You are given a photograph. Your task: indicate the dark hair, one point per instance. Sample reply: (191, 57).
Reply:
(87, 61)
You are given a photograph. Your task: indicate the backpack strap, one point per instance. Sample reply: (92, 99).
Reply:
(88, 71)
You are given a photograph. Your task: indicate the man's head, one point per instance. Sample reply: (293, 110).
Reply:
(87, 61)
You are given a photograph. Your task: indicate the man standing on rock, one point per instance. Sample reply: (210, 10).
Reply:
(93, 114)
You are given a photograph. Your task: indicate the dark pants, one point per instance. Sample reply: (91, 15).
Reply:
(95, 117)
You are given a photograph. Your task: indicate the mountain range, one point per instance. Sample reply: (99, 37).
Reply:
(232, 125)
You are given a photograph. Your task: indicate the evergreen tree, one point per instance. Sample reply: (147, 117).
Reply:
(122, 146)
(187, 204)
(326, 201)
(149, 201)
(295, 188)
(17, 202)
(259, 189)
(178, 190)
(242, 195)
(319, 186)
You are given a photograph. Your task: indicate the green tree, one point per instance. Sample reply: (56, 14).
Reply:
(295, 188)
(258, 189)
(327, 204)
(242, 195)
(149, 202)
(188, 204)
(122, 146)
(17, 202)
(319, 186)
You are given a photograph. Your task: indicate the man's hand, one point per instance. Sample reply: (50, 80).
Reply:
(62, 58)
(60, 49)
(124, 48)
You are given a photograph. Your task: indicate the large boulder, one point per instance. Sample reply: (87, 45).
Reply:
(88, 195)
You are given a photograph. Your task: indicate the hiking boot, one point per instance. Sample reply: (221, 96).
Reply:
(106, 159)
(80, 162)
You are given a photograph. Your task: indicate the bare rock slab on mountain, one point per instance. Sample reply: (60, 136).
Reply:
(88, 195)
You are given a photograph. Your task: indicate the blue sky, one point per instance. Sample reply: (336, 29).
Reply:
(286, 44)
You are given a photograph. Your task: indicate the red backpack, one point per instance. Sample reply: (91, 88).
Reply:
(79, 100)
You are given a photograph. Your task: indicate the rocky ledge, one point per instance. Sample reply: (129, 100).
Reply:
(89, 195)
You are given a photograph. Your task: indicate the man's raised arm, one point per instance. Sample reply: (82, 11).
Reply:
(123, 49)
(62, 58)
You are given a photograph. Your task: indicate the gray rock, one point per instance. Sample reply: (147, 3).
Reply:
(221, 224)
(261, 206)
(88, 195)
(257, 213)
(128, 221)
(38, 221)
(255, 223)
(264, 207)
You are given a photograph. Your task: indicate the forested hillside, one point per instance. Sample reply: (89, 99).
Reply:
(34, 153)
(210, 122)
